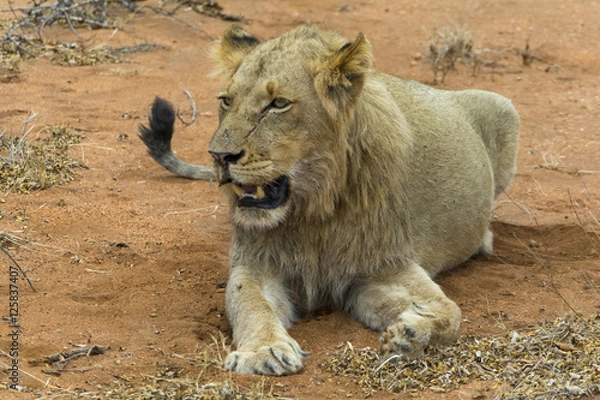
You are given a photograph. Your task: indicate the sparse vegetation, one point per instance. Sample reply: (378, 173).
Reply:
(173, 381)
(24, 36)
(557, 360)
(446, 48)
(27, 164)
(450, 45)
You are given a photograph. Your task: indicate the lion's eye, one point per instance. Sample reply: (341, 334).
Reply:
(280, 104)
(225, 102)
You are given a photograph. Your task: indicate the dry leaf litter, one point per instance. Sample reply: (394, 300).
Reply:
(556, 360)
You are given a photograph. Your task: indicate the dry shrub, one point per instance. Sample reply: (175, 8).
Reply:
(446, 48)
(27, 36)
(27, 165)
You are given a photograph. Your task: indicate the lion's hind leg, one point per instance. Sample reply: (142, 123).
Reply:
(410, 309)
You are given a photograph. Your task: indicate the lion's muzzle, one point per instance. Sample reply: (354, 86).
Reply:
(267, 196)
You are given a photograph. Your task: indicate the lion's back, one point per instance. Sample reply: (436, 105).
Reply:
(463, 147)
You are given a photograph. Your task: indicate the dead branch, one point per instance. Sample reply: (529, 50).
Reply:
(208, 8)
(62, 358)
(92, 13)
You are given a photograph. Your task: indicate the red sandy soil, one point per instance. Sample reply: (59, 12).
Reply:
(133, 257)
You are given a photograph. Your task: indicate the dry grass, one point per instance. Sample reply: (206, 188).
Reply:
(9, 59)
(27, 165)
(166, 384)
(9, 240)
(556, 360)
(552, 161)
(172, 381)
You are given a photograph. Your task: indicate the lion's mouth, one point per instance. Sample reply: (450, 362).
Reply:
(267, 196)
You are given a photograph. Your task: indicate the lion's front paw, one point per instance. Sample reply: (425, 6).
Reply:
(278, 359)
(404, 340)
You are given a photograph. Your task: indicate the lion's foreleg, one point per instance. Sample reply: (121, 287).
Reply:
(409, 308)
(259, 312)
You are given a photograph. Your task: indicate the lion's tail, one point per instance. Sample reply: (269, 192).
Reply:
(157, 137)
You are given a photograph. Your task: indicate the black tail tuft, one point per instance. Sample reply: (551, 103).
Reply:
(158, 136)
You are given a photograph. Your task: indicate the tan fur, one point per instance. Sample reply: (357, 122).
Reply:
(390, 182)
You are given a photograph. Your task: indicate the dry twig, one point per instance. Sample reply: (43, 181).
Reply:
(16, 264)
(64, 357)
(193, 118)
(210, 8)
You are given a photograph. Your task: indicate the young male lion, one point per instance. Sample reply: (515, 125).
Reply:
(348, 188)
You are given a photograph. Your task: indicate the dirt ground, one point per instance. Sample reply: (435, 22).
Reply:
(132, 257)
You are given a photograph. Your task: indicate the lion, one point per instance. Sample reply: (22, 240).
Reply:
(348, 188)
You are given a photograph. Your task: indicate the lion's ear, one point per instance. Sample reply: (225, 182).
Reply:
(231, 49)
(341, 76)
(349, 63)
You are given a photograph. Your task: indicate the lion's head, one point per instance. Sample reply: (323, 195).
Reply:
(280, 148)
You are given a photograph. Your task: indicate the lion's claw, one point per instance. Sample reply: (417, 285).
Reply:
(403, 340)
(277, 359)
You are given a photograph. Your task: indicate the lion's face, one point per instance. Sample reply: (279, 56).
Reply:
(278, 149)
(264, 132)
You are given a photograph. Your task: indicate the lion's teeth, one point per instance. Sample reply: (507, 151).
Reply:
(260, 193)
(238, 190)
(255, 192)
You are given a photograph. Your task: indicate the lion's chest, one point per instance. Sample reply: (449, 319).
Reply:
(317, 265)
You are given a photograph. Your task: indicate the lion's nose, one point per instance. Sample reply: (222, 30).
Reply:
(226, 158)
